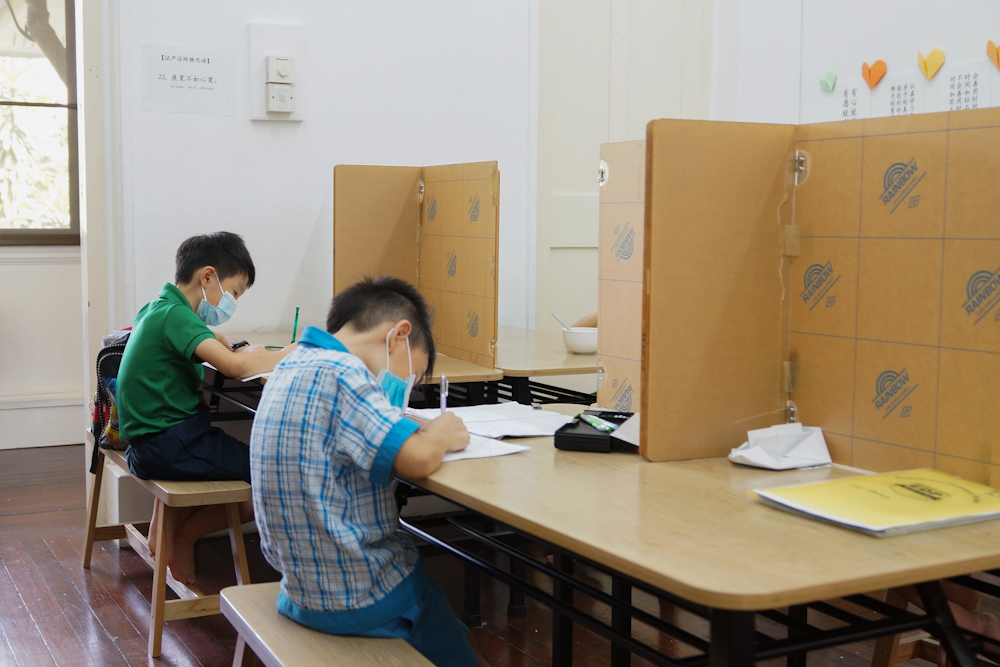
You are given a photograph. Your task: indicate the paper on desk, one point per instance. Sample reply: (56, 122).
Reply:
(629, 431)
(484, 448)
(783, 447)
(252, 377)
(503, 420)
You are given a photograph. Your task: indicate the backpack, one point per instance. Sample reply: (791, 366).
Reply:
(105, 416)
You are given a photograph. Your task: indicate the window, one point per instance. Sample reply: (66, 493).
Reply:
(39, 198)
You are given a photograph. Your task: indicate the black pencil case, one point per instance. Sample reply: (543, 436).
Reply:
(579, 436)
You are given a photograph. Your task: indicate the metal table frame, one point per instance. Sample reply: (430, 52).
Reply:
(734, 640)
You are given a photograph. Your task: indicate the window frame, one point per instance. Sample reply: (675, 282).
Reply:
(71, 236)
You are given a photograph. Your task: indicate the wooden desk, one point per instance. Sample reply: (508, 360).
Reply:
(523, 354)
(458, 371)
(692, 530)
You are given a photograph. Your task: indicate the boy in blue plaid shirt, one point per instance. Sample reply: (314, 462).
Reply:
(328, 434)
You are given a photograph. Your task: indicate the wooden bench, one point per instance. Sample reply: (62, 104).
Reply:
(168, 495)
(269, 637)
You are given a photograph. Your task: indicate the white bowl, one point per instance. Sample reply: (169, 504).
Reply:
(580, 340)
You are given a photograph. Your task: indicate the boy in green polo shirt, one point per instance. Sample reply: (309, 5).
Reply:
(161, 411)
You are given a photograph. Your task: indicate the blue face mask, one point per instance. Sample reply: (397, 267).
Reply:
(396, 387)
(216, 315)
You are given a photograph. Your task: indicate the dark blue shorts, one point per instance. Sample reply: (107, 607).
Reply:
(430, 627)
(193, 450)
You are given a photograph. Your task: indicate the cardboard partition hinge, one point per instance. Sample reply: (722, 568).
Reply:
(791, 412)
(420, 191)
(602, 173)
(792, 245)
(803, 161)
(788, 370)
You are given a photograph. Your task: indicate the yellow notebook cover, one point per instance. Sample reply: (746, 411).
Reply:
(889, 503)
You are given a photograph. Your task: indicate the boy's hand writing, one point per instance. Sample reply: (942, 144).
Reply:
(450, 431)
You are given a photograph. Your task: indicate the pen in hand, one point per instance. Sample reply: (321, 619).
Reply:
(443, 391)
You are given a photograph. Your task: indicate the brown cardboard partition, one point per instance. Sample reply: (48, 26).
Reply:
(436, 227)
(712, 304)
(884, 308)
(619, 280)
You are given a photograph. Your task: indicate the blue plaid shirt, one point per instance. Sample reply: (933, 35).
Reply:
(321, 454)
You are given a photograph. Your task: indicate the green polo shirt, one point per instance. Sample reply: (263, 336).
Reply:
(159, 382)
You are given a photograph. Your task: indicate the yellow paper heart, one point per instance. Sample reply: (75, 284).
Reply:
(932, 63)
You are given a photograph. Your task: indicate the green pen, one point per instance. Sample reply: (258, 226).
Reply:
(598, 423)
(295, 327)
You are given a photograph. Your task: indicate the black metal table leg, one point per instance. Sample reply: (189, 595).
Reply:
(516, 607)
(520, 389)
(562, 626)
(476, 393)
(732, 639)
(471, 616)
(218, 382)
(946, 630)
(800, 613)
(621, 621)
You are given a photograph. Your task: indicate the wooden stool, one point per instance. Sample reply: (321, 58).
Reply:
(269, 637)
(169, 495)
(894, 649)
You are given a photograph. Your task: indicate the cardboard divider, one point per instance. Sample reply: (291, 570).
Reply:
(714, 284)
(889, 315)
(436, 227)
(619, 280)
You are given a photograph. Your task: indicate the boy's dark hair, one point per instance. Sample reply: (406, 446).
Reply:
(223, 251)
(372, 301)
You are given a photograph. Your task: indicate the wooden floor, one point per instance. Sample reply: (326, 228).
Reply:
(53, 612)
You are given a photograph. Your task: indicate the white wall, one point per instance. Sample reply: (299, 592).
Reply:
(834, 39)
(756, 47)
(394, 83)
(606, 68)
(41, 319)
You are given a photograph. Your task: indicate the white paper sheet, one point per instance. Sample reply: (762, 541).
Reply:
(252, 377)
(502, 420)
(483, 448)
(179, 78)
(783, 447)
(629, 431)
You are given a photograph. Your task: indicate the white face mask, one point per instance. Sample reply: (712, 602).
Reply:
(216, 315)
(397, 388)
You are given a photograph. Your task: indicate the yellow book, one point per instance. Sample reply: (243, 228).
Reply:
(890, 503)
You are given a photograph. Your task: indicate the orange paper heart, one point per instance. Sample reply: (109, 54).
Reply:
(993, 51)
(874, 73)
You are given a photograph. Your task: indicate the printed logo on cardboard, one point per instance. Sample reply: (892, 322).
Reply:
(474, 209)
(983, 294)
(432, 210)
(899, 181)
(818, 281)
(622, 398)
(432, 313)
(452, 263)
(891, 389)
(473, 326)
(624, 245)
